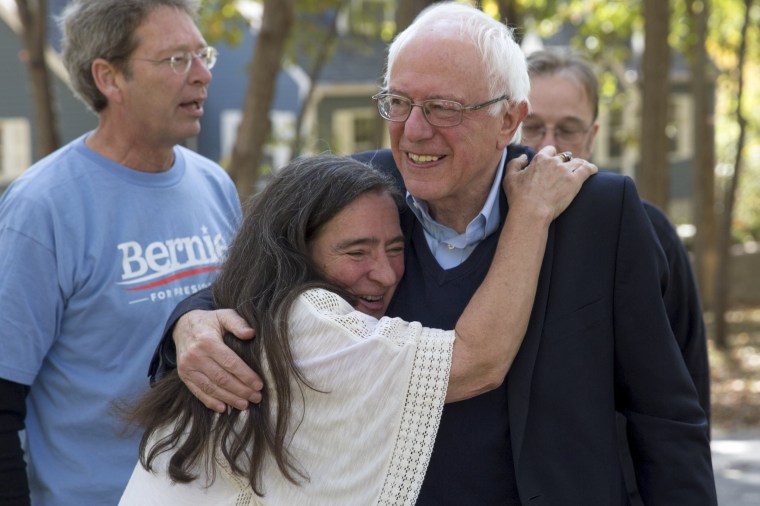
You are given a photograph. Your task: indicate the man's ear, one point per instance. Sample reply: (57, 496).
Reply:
(510, 121)
(107, 79)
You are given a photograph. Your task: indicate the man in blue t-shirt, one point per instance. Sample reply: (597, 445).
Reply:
(99, 241)
(599, 340)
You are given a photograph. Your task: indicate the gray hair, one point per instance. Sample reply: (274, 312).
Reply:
(105, 29)
(561, 60)
(503, 61)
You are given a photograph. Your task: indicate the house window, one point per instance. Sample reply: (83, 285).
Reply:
(354, 130)
(229, 121)
(616, 128)
(610, 144)
(680, 129)
(279, 148)
(363, 133)
(15, 148)
(277, 151)
(616, 140)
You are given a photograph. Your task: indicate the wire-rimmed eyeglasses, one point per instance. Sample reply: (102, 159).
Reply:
(181, 63)
(533, 132)
(438, 112)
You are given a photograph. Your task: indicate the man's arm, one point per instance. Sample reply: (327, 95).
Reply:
(15, 489)
(683, 305)
(192, 342)
(165, 357)
(667, 428)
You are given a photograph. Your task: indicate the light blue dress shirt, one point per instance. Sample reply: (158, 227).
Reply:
(450, 248)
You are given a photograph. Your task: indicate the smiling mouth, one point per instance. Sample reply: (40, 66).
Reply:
(423, 158)
(195, 104)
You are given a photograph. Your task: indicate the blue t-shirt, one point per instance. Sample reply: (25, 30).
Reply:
(94, 258)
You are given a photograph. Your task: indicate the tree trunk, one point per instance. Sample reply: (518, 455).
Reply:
(255, 127)
(654, 170)
(724, 237)
(509, 14)
(34, 23)
(702, 89)
(407, 10)
(325, 48)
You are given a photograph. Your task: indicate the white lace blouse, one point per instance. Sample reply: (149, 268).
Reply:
(364, 438)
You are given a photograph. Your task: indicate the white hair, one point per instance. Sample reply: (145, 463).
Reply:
(505, 69)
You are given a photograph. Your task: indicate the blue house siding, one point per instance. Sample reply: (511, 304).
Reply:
(16, 100)
(227, 92)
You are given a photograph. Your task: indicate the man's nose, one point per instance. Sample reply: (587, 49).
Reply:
(199, 72)
(417, 126)
(549, 138)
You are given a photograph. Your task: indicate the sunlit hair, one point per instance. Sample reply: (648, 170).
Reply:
(268, 266)
(105, 29)
(503, 61)
(569, 63)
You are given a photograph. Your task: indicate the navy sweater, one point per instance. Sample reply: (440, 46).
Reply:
(472, 456)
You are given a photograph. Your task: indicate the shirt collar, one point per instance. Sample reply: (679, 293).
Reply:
(443, 239)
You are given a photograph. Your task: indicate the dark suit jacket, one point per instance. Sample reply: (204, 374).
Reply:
(599, 342)
(682, 302)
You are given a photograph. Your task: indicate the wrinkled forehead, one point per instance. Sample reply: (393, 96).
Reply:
(560, 94)
(440, 56)
(438, 35)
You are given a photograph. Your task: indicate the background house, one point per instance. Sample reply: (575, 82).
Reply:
(17, 122)
(339, 117)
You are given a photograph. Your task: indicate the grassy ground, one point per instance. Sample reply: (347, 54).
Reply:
(735, 372)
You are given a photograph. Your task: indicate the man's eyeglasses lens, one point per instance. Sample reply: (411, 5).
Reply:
(438, 112)
(181, 64)
(535, 132)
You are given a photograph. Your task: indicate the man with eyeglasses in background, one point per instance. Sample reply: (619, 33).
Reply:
(564, 101)
(564, 98)
(98, 242)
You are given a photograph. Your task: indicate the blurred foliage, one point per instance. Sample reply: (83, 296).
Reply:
(735, 372)
(607, 32)
(220, 20)
(726, 17)
(223, 20)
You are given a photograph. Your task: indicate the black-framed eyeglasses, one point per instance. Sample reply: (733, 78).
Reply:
(565, 134)
(440, 113)
(181, 63)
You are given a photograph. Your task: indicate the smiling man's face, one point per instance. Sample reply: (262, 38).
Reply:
(451, 168)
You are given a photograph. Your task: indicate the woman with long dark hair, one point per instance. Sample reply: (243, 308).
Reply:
(353, 399)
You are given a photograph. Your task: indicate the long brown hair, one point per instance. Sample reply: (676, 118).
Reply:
(268, 266)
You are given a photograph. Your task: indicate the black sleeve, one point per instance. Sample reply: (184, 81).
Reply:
(683, 305)
(165, 357)
(15, 486)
